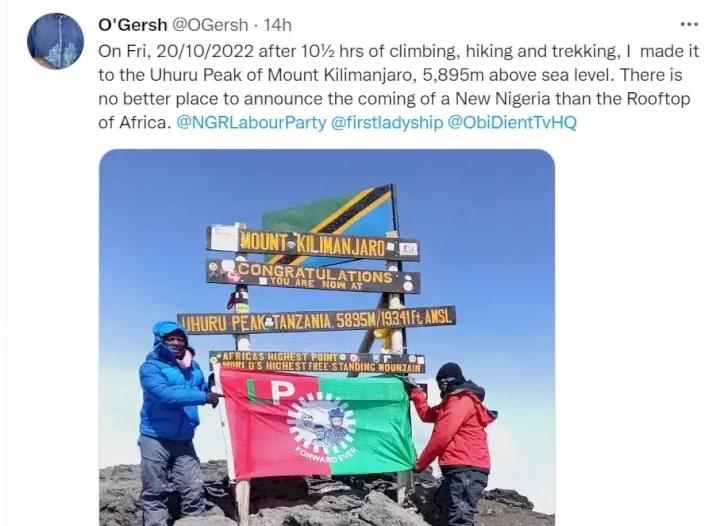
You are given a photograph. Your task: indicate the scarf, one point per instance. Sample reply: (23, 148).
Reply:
(186, 361)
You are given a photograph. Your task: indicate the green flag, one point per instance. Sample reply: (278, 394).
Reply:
(285, 424)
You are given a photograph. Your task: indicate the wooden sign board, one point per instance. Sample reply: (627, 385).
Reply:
(320, 362)
(232, 272)
(349, 320)
(232, 239)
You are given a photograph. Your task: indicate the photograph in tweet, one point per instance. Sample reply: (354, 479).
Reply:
(364, 308)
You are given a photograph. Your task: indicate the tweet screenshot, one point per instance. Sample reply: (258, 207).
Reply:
(361, 264)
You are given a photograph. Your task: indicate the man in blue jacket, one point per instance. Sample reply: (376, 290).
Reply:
(173, 386)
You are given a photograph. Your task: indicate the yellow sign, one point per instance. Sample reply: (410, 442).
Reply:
(327, 245)
(323, 278)
(311, 244)
(317, 321)
(320, 362)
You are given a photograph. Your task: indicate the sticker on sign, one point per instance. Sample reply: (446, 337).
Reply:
(409, 249)
(224, 238)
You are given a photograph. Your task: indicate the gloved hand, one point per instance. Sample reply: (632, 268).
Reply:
(409, 382)
(212, 398)
(416, 470)
(211, 380)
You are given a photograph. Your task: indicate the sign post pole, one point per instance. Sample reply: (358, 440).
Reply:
(369, 338)
(397, 346)
(242, 343)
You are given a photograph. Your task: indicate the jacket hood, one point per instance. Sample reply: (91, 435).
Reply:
(469, 386)
(160, 350)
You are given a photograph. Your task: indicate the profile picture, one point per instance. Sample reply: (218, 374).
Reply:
(55, 41)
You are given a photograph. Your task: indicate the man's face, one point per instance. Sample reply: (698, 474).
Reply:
(337, 421)
(443, 383)
(176, 341)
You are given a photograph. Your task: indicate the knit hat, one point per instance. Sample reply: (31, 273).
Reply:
(449, 370)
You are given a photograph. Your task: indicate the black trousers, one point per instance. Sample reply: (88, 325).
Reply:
(458, 496)
(159, 459)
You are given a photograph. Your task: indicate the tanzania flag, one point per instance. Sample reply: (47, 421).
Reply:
(367, 213)
(283, 424)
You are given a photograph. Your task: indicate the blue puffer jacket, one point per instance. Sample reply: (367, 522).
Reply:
(170, 394)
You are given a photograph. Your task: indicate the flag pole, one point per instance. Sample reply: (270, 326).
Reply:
(227, 439)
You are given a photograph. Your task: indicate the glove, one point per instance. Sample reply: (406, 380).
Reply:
(416, 470)
(409, 382)
(211, 380)
(212, 398)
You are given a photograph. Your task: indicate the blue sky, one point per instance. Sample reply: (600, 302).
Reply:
(485, 220)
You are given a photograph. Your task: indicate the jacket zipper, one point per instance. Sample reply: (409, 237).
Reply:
(185, 378)
(60, 41)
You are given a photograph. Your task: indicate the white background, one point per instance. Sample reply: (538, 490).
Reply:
(637, 245)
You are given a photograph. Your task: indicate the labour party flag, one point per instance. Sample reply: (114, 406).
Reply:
(367, 213)
(283, 424)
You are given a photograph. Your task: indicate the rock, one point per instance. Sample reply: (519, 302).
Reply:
(285, 488)
(495, 514)
(120, 498)
(362, 500)
(216, 511)
(338, 503)
(501, 507)
(206, 521)
(422, 497)
(325, 487)
(301, 515)
(426, 477)
(509, 497)
(379, 510)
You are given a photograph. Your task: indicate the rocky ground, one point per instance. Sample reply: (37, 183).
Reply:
(312, 501)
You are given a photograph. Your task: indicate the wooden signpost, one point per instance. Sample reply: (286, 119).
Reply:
(392, 283)
(233, 239)
(317, 321)
(320, 362)
(397, 346)
(228, 271)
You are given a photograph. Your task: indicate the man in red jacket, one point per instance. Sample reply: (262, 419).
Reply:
(458, 440)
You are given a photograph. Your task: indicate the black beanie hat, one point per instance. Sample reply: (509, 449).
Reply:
(448, 370)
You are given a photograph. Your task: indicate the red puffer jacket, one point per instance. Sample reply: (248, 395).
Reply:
(459, 437)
